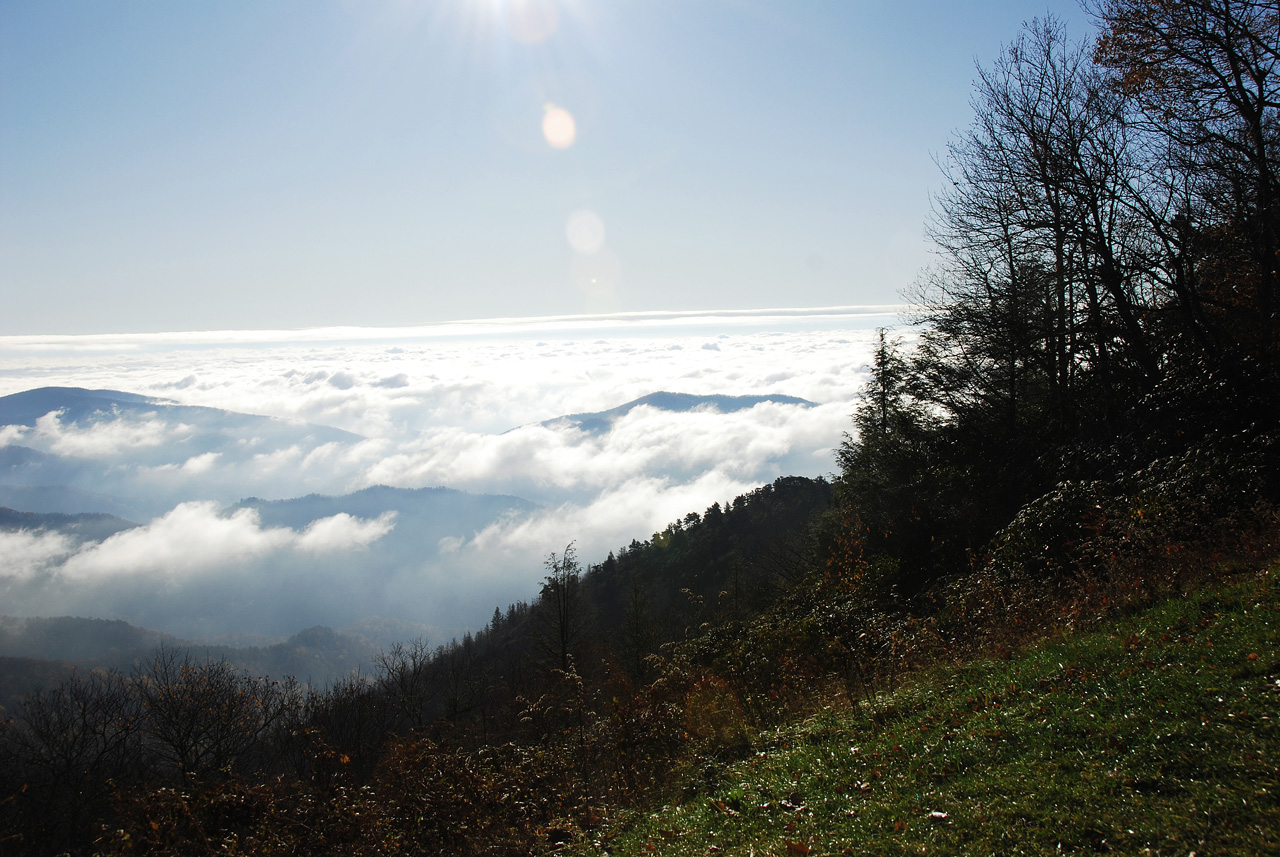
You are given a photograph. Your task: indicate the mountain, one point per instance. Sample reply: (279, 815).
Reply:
(137, 457)
(93, 642)
(78, 405)
(23, 409)
(424, 516)
(84, 526)
(601, 421)
(65, 500)
(40, 652)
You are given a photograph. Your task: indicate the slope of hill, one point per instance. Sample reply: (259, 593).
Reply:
(426, 514)
(84, 526)
(1153, 735)
(79, 405)
(601, 421)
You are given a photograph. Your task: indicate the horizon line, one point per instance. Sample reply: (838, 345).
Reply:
(460, 327)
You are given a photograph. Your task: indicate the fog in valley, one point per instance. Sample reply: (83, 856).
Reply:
(266, 483)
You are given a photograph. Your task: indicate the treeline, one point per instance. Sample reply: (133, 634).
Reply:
(32, 650)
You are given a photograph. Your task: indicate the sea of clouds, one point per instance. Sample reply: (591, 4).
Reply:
(461, 406)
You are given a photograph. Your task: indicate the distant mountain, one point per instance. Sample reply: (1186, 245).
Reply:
(88, 406)
(601, 421)
(85, 526)
(22, 465)
(36, 652)
(14, 459)
(423, 515)
(137, 457)
(94, 642)
(23, 409)
(65, 500)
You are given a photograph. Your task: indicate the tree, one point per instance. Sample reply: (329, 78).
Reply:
(1203, 75)
(70, 745)
(888, 484)
(404, 676)
(1038, 313)
(560, 612)
(203, 718)
(1203, 79)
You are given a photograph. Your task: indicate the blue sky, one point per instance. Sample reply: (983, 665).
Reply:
(244, 165)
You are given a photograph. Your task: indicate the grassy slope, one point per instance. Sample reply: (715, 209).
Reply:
(1156, 735)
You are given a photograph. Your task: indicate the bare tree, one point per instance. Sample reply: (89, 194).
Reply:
(405, 677)
(1203, 76)
(67, 747)
(1044, 255)
(204, 717)
(560, 613)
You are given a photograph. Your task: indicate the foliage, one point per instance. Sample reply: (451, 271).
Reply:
(1152, 735)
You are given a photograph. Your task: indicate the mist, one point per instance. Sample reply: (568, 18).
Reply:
(290, 419)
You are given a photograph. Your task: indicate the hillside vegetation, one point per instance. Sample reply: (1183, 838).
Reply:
(1083, 433)
(1156, 734)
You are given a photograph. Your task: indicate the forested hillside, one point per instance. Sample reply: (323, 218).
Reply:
(1083, 424)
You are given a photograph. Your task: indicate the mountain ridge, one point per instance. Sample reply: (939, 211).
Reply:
(598, 422)
(77, 403)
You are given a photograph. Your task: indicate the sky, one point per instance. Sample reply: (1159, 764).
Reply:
(286, 165)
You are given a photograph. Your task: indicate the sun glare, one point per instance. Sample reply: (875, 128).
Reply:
(532, 21)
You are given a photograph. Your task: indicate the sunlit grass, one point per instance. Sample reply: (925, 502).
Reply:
(1157, 736)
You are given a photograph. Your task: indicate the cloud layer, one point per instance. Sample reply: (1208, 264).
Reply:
(194, 568)
(462, 413)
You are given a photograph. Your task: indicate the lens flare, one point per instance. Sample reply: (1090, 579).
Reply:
(598, 277)
(558, 127)
(585, 231)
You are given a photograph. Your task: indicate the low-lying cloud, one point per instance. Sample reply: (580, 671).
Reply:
(464, 414)
(194, 564)
(195, 537)
(104, 439)
(557, 462)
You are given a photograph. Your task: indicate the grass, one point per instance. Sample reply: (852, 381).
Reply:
(1154, 736)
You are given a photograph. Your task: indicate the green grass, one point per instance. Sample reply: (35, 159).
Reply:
(1157, 735)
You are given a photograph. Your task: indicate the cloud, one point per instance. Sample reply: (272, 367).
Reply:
(11, 434)
(342, 380)
(462, 411)
(342, 532)
(191, 538)
(106, 438)
(195, 537)
(200, 464)
(25, 555)
(559, 462)
(634, 509)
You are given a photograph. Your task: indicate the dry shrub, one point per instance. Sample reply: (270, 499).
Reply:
(713, 714)
(1089, 549)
